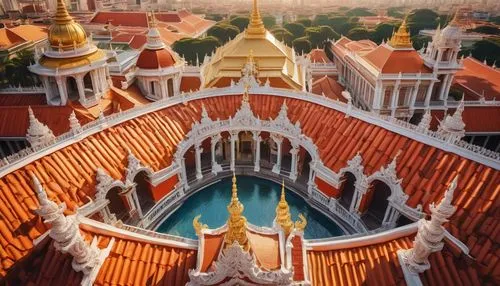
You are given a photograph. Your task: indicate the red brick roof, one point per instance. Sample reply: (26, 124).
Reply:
(319, 56)
(154, 59)
(388, 60)
(477, 78)
(329, 87)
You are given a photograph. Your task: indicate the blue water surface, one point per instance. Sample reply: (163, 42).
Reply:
(260, 198)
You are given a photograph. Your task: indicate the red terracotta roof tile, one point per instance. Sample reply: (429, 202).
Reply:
(476, 79)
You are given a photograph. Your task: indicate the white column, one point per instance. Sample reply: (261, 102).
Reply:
(234, 138)
(378, 93)
(414, 94)
(279, 140)
(198, 150)
(395, 98)
(61, 85)
(428, 94)
(312, 176)
(81, 89)
(183, 174)
(257, 139)
(442, 88)
(448, 86)
(215, 166)
(134, 196)
(294, 151)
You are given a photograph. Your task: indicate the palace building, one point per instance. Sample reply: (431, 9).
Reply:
(234, 173)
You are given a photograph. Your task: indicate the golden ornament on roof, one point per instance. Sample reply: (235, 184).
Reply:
(236, 223)
(401, 38)
(301, 225)
(198, 226)
(283, 217)
(64, 33)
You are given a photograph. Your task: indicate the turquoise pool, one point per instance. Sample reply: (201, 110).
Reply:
(259, 197)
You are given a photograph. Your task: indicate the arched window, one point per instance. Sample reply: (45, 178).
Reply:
(347, 189)
(117, 204)
(377, 204)
(72, 88)
(170, 85)
(143, 190)
(87, 85)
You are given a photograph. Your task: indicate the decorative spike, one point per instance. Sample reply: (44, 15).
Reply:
(236, 222)
(283, 217)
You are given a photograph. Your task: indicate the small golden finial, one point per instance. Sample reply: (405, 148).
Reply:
(401, 38)
(62, 16)
(256, 26)
(283, 217)
(198, 226)
(236, 223)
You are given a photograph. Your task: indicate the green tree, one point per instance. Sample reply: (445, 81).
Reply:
(283, 35)
(17, 72)
(269, 21)
(419, 41)
(296, 29)
(488, 50)
(195, 48)
(320, 20)
(214, 17)
(490, 30)
(495, 20)
(306, 22)
(359, 33)
(240, 22)
(360, 12)
(383, 31)
(223, 32)
(420, 19)
(302, 45)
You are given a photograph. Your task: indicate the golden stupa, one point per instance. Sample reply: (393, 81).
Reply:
(283, 217)
(401, 38)
(236, 223)
(275, 61)
(69, 46)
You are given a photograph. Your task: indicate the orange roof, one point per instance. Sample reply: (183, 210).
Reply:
(329, 87)
(388, 60)
(375, 264)
(55, 117)
(476, 79)
(31, 32)
(9, 39)
(155, 59)
(319, 56)
(69, 174)
(483, 119)
(266, 249)
(190, 83)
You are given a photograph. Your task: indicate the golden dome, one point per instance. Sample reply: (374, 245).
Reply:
(65, 33)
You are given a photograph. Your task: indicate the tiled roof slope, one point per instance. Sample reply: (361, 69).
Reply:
(69, 174)
(129, 263)
(367, 265)
(476, 79)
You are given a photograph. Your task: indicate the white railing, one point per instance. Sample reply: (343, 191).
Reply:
(473, 152)
(319, 197)
(160, 207)
(22, 89)
(336, 208)
(155, 234)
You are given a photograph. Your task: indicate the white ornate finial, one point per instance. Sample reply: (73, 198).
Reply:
(74, 124)
(38, 133)
(347, 95)
(425, 122)
(453, 126)
(356, 161)
(65, 232)
(204, 115)
(430, 234)
(392, 166)
(101, 115)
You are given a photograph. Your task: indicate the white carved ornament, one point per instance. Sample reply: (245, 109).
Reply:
(105, 183)
(133, 168)
(238, 265)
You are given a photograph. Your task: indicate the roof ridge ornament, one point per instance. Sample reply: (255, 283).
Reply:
(38, 133)
(453, 126)
(74, 124)
(430, 234)
(425, 122)
(65, 232)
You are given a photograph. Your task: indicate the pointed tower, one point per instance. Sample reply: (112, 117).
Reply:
(453, 126)
(256, 27)
(38, 133)
(401, 38)
(236, 223)
(159, 69)
(283, 217)
(442, 56)
(72, 67)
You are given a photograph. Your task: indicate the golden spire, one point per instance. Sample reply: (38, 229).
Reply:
(283, 217)
(401, 39)
(62, 16)
(256, 26)
(454, 21)
(65, 33)
(236, 223)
